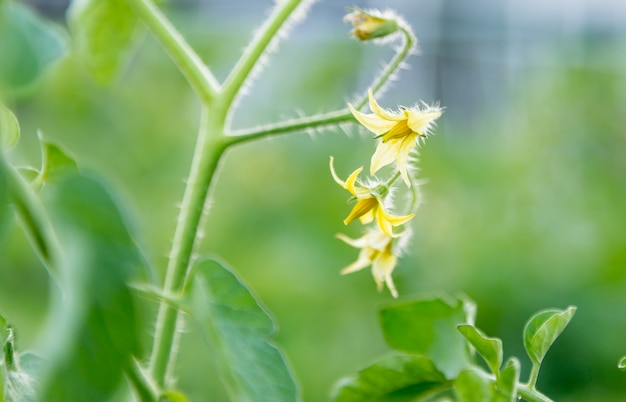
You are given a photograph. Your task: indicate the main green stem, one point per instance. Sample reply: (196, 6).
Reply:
(209, 149)
(210, 146)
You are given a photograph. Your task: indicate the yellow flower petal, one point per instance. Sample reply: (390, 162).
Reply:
(372, 122)
(349, 185)
(358, 243)
(406, 145)
(401, 129)
(364, 260)
(381, 112)
(334, 174)
(367, 217)
(382, 267)
(386, 153)
(419, 121)
(362, 207)
(397, 220)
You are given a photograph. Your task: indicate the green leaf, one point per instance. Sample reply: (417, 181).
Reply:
(103, 30)
(30, 211)
(506, 385)
(622, 364)
(94, 328)
(28, 45)
(489, 348)
(9, 129)
(428, 327)
(396, 378)
(173, 396)
(473, 385)
(239, 329)
(542, 330)
(54, 162)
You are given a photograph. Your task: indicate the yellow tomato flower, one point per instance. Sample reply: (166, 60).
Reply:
(369, 204)
(370, 25)
(398, 132)
(376, 250)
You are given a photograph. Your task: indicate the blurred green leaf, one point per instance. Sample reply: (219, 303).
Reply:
(489, 348)
(103, 31)
(28, 45)
(173, 396)
(542, 330)
(506, 385)
(54, 162)
(232, 320)
(9, 129)
(473, 386)
(397, 378)
(94, 328)
(429, 327)
(622, 364)
(30, 211)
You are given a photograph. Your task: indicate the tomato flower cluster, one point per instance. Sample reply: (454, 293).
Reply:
(397, 133)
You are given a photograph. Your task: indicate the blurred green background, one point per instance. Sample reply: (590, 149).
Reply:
(524, 206)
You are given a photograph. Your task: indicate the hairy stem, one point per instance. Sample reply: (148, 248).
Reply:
(409, 44)
(209, 149)
(141, 384)
(255, 50)
(331, 118)
(290, 126)
(189, 63)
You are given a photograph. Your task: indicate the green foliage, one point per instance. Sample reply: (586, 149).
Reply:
(396, 378)
(28, 45)
(55, 162)
(29, 209)
(103, 31)
(429, 327)
(507, 383)
(622, 364)
(489, 348)
(9, 129)
(473, 385)
(238, 329)
(542, 330)
(93, 328)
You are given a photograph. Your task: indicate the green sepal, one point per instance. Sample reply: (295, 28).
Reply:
(401, 378)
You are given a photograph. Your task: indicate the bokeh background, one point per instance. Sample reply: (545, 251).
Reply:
(524, 206)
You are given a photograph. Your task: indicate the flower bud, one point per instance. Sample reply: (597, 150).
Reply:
(368, 26)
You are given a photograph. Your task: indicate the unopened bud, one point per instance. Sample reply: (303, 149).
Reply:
(368, 26)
